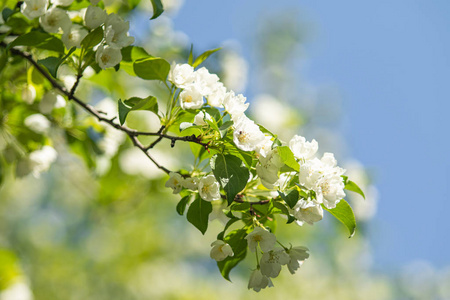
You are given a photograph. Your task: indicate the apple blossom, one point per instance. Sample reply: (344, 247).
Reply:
(94, 16)
(247, 136)
(74, 36)
(38, 123)
(264, 238)
(208, 188)
(235, 105)
(205, 82)
(200, 118)
(40, 160)
(50, 101)
(54, 19)
(181, 75)
(258, 281)
(175, 182)
(302, 149)
(297, 256)
(220, 250)
(107, 56)
(308, 211)
(272, 261)
(190, 98)
(191, 183)
(34, 8)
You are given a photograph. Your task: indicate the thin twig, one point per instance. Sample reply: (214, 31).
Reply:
(133, 134)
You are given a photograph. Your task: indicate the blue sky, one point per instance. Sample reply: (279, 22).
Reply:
(391, 63)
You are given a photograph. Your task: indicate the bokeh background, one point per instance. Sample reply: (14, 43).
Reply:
(368, 81)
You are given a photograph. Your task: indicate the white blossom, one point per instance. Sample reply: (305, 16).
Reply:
(208, 188)
(34, 8)
(308, 211)
(62, 2)
(74, 36)
(116, 32)
(297, 256)
(181, 75)
(190, 98)
(258, 281)
(235, 105)
(216, 97)
(94, 16)
(191, 183)
(40, 160)
(54, 19)
(247, 136)
(205, 82)
(265, 147)
(323, 177)
(38, 123)
(220, 250)
(107, 56)
(268, 167)
(175, 182)
(272, 261)
(264, 238)
(50, 101)
(200, 118)
(29, 94)
(302, 149)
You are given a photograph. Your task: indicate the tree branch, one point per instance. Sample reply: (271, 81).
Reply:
(133, 134)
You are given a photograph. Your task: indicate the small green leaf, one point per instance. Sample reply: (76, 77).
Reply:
(291, 199)
(236, 239)
(157, 8)
(51, 63)
(229, 223)
(224, 128)
(39, 40)
(93, 38)
(152, 68)
(203, 57)
(198, 213)
(181, 206)
(231, 173)
(150, 103)
(191, 55)
(132, 53)
(351, 186)
(344, 213)
(287, 157)
(6, 13)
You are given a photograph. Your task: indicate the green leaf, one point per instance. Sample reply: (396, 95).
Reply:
(203, 57)
(191, 56)
(198, 213)
(291, 199)
(39, 40)
(93, 38)
(157, 8)
(51, 63)
(6, 13)
(3, 60)
(133, 53)
(236, 239)
(229, 223)
(231, 174)
(150, 103)
(181, 206)
(344, 213)
(287, 157)
(351, 186)
(152, 68)
(224, 128)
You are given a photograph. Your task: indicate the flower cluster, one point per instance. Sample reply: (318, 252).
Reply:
(54, 19)
(289, 176)
(272, 259)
